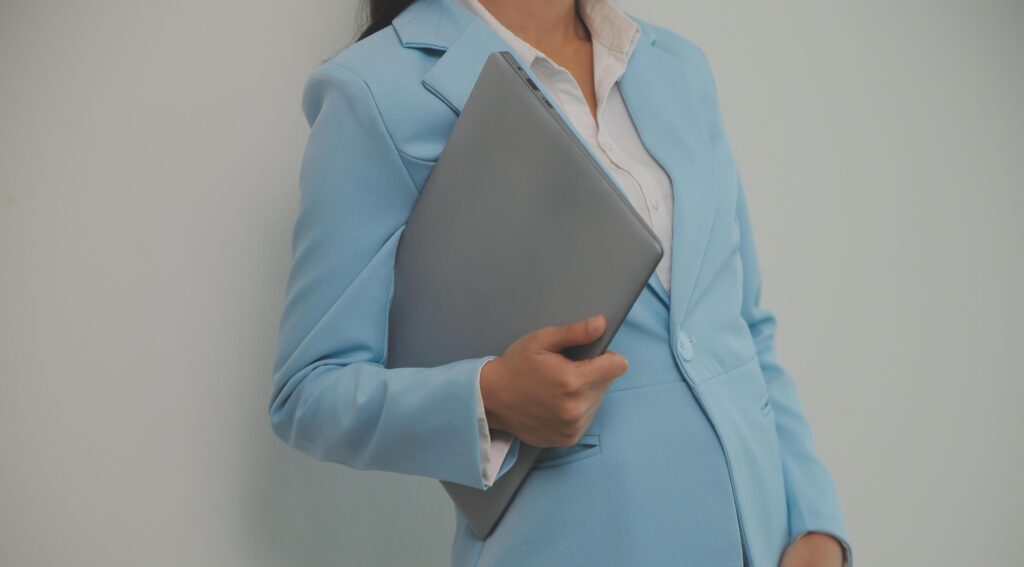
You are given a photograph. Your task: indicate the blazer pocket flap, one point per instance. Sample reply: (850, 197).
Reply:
(589, 445)
(766, 404)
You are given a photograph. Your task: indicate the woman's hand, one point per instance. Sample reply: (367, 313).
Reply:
(542, 397)
(813, 550)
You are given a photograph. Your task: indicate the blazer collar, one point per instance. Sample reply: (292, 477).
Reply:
(432, 23)
(465, 39)
(654, 86)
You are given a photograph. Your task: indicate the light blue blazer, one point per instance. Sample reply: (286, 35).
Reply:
(701, 445)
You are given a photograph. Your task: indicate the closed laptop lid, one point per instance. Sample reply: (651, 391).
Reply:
(518, 226)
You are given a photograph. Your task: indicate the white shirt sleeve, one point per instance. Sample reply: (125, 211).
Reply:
(494, 445)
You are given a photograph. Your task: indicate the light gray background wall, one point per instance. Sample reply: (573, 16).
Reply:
(149, 155)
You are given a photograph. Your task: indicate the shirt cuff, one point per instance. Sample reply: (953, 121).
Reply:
(494, 445)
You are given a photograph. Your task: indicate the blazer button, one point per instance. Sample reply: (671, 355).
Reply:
(684, 343)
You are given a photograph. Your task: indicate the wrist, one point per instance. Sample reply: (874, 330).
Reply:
(825, 546)
(814, 548)
(490, 378)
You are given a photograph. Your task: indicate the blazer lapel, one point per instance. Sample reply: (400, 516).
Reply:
(667, 125)
(659, 102)
(466, 40)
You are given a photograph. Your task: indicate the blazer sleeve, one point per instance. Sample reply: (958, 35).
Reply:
(810, 491)
(332, 398)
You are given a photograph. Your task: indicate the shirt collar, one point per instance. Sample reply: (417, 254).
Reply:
(607, 23)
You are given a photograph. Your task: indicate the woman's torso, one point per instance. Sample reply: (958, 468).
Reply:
(656, 480)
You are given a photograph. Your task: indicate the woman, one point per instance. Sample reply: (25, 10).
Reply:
(685, 444)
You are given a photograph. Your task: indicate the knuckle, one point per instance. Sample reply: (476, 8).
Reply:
(568, 383)
(542, 334)
(569, 411)
(597, 372)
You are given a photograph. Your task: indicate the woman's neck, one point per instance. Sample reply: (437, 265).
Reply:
(548, 25)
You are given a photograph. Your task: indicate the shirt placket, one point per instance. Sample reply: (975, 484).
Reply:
(571, 99)
(613, 64)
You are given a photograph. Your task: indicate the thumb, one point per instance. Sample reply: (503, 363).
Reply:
(576, 333)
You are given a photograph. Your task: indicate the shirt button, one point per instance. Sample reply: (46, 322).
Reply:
(656, 203)
(684, 343)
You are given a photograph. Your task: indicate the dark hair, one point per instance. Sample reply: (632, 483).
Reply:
(379, 13)
(376, 15)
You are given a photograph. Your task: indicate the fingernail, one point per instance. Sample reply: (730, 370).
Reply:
(593, 322)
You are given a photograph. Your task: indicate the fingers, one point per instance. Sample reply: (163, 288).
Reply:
(581, 332)
(603, 368)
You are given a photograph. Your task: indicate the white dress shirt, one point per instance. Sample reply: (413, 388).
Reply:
(612, 137)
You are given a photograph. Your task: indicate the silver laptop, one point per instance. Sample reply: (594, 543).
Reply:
(518, 226)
